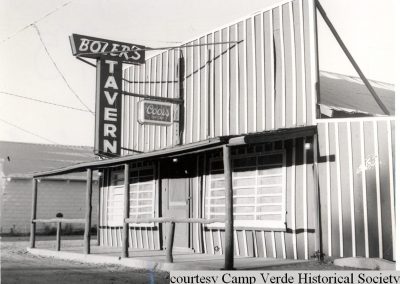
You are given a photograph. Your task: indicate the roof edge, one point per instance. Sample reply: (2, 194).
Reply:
(233, 140)
(80, 167)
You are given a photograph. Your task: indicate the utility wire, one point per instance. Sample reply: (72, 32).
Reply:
(45, 102)
(35, 22)
(58, 69)
(27, 131)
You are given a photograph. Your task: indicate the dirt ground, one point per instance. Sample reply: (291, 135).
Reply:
(18, 266)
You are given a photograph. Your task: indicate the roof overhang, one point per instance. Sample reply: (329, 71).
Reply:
(273, 135)
(205, 145)
(62, 177)
(175, 151)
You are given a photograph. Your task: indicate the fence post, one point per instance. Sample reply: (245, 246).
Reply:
(34, 205)
(88, 216)
(228, 265)
(58, 236)
(125, 226)
(170, 242)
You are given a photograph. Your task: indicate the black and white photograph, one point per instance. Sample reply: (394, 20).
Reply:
(198, 141)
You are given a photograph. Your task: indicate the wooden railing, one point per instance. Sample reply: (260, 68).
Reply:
(228, 265)
(59, 221)
(171, 233)
(170, 220)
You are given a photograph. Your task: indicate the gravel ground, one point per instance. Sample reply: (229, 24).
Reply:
(18, 266)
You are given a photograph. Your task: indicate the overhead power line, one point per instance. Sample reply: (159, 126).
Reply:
(58, 69)
(35, 22)
(45, 102)
(27, 131)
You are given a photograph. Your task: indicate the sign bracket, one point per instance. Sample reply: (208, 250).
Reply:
(131, 150)
(154, 98)
(85, 61)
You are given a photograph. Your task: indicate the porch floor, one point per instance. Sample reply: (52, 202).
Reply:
(152, 259)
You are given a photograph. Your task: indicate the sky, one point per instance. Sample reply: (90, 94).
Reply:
(49, 72)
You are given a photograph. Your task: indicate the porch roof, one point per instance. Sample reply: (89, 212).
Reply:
(205, 145)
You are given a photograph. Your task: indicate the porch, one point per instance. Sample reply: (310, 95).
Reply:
(265, 239)
(73, 250)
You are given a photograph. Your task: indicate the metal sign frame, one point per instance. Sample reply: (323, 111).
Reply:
(142, 115)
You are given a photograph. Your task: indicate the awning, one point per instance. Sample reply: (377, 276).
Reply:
(205, 145)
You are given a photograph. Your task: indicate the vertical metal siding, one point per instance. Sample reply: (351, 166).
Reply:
(356, 181)
(265, 81)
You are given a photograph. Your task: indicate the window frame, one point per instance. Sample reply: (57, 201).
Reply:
(274, 225)
(113, 185)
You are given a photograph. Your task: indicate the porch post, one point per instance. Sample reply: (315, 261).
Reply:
(170, 242)
(318, 244)
(125, 226)
(228, 209)
(88, 216)
(34, 205)
(58, 238)
(100, 184)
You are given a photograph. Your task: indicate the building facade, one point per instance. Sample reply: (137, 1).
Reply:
(301, 186)
(266, 80)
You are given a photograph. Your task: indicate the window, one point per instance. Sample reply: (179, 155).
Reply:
(142, 194)
(258, 182)
(115, 202)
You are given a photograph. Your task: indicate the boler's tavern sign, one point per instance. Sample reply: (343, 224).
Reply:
(108, 107)
(92, 47)
(153, 112)
(110, 56)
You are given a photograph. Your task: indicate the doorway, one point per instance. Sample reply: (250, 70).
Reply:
(176, 192)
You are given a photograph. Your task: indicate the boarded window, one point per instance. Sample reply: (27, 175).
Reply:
(115, 201)
(142, 194)
(258, 182)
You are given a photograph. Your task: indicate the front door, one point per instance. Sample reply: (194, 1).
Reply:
(176, 199)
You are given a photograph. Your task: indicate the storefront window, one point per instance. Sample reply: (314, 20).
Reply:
(258, 182)
(142, 194)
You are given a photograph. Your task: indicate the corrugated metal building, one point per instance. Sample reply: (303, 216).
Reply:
(302, 185)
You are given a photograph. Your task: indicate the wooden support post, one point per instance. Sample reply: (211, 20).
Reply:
(88, 216)
(34, 205)
(58, 236)
(181, 76)
(318, 233)
(228, 209)
(99, 205)
(125, 226)
(170, 242)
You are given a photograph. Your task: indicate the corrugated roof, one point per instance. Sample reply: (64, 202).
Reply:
(349, 92)
(20, 160)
